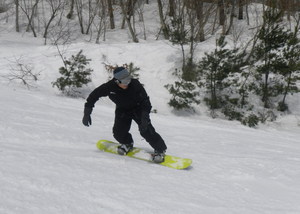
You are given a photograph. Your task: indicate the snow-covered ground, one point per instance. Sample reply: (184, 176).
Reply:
(50, 164)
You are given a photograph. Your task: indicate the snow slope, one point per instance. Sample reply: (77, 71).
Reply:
(50, 164)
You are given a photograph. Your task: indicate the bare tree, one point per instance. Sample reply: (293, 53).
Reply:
(200, 16)
(22, 72)
(128, 6)
(63, 33)
(102, 14)
(71, 13)
(140, 12)
(79, 9)
(204, 10)
(289, 6)
(29, 11)
(55, 6)
(92, 12)
(127, 14)
(197, 15)
(232, 15)
(193, 32)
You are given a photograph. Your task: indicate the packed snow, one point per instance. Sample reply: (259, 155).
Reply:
(50, 163)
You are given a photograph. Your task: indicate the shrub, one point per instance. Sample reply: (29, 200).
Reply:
(184, 93)
(74, 75)
(252, 120)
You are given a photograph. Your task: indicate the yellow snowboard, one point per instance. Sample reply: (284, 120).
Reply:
(141, 154)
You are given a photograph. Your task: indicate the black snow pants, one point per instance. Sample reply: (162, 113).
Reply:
(122, 126)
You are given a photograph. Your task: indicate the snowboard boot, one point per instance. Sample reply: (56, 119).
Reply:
(123, 149)
(158, 157)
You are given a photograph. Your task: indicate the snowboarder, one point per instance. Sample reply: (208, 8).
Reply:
(132, 103)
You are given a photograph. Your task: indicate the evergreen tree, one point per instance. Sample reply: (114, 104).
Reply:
(272, 38)
(179, 35)
(74, 75)
(291, 69)
(214, 69)
(184, 93)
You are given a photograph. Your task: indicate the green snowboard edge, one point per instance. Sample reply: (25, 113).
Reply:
(141, 154)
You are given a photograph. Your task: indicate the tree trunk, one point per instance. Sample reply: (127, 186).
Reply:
(30, 18)
(241, 10)
(127, 19)
(71, 13)
(17, 16)
(200, 16)
(79, 8)
(92, 13)
(286, 89)
(162, 20)
(222, 16)
(48, 25)
(111, 14)
(172, 8)
(129, 10)
(231, 18)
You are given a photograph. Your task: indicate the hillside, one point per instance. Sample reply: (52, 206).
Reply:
(50, 163)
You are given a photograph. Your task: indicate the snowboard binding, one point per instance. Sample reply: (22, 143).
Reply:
(123, 149)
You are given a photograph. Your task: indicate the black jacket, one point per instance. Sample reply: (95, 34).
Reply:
(134, 98)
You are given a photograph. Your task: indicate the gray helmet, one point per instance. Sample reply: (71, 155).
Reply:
(122, 75)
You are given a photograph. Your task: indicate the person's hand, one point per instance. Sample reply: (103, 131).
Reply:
(87, 120)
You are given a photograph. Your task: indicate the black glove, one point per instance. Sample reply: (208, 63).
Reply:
(87, 120)
(145, 121)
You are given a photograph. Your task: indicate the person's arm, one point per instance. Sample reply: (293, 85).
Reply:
(144, 100)
(101, 91)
